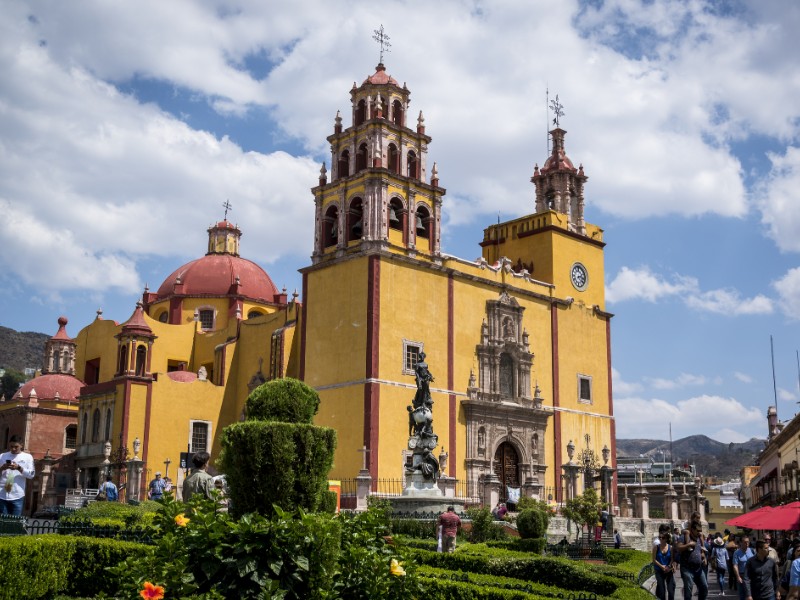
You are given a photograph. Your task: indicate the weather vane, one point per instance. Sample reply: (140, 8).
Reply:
(558, 110)
(227, 206)
(383, 40)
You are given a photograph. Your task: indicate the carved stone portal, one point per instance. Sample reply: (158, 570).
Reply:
(505, 422)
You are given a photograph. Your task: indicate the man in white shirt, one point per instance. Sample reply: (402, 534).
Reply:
(15, 467)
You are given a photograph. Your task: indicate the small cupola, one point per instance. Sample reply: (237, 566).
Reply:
(223, 238)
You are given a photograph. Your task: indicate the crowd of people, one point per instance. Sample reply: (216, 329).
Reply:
(767, 568)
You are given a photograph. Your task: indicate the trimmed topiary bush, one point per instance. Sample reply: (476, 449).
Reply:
(531, 523)
(484, 527)
(285, 400)
(285, 464)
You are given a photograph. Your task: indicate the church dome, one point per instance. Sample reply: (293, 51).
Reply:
(46, 387)
(219, 275)
(380, 77)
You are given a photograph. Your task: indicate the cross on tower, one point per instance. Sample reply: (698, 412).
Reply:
(383, 41)
(558, 110)
(227, 206)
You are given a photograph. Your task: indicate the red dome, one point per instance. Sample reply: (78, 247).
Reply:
(380, 77)
(46, 386)
(216, 275)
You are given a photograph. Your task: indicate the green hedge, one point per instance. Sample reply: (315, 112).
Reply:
(532, 523)
(557, 572)
(42, 566)
(493, 581)
(284, 464)
(530, 545)
(444, 589)
(285, 400)
(415, 528)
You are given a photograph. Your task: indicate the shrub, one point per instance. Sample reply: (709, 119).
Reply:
(328, 504)
(416, 528)
(493, 584)
(532, 523)
(285, 400)
(529, 545)
(214, 556)
(552, 571)
(484, 527)
(276, 464)
(42, 566)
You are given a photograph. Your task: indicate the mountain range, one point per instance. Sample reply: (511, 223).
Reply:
(711, 458)
(20, 350)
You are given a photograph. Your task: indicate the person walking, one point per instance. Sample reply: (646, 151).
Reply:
(110, 490)
(617, 540)
(664, 567)
(450, 525)
(719, 561)
(15, 467)
(762, 573)
(740, 558)
(156, 488)
(692, 560)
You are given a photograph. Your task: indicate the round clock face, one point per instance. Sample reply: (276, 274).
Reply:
(579, 276)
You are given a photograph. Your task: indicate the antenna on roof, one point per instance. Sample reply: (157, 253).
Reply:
(774, 385)
(383, 41)
(227, 206)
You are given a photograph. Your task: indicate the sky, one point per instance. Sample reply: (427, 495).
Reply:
(124, 127)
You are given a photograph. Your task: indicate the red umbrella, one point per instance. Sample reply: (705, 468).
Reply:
(780, 518)
(746, 519)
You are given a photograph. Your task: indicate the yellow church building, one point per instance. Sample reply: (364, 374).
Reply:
(518, 341)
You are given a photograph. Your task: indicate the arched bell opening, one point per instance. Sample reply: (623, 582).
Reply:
(123, 359)
(361, 158)
(355, 220)
(394, 159)
(397, 217)
(412, 165)
(398, 118)
(141, 361)
(423, 225)
(343, 170)
(330, 227)
(361, 113)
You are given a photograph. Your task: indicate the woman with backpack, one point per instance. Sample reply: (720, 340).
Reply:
(664, 566)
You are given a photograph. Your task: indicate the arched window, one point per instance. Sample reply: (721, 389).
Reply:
(163, 316)
(344, 164)
(108, 424)
(254, 314)
(71, 437)
(141, 357)
(96, 425)
(84, 427)
(394, 159)
(423, 222)
(412, 166)
(397, 113)
(64, 362)
(396, 215)
(506, 375)
(361, 112)
(123, 359)
(361, 158)
(355, 220)
(330, 227)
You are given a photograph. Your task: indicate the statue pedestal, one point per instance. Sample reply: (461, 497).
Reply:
(417, 485)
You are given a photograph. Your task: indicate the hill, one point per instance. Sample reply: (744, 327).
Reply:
(21, 349)
(712, 458)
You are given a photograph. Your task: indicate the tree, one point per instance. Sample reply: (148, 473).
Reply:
(583, 510)
(10, 382)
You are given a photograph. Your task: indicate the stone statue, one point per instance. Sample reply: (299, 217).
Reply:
(422, 440)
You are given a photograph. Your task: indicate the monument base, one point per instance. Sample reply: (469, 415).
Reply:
(424, 497)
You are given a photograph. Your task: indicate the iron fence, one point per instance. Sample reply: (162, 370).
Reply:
(467, 491)
(23, 526)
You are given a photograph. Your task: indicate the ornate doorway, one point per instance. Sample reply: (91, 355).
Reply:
(506, 468)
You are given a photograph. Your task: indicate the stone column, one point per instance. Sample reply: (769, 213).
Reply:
(671, 504)
(491, 490)
(571, 480)
(135, 468)
(642, 503)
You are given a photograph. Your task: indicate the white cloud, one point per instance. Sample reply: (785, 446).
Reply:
(622, 387)
(779, 199)
(638, 417)
(682, 380)
(785, 395)
(788, 288)
(643, 284)
(726, 436)
(743, 377)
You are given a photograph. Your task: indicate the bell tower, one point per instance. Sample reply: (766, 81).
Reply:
(379, 195)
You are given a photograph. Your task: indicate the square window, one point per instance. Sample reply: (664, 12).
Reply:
(411, 352)
(584, 389)
(206, 317)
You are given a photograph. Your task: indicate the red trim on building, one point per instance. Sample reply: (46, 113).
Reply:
(303, 320)
(147, 407)
(126, 411)
(556, 401)
(452, 446)
(611, 413)
(175, 309)
(372, 390)
(223, 352)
